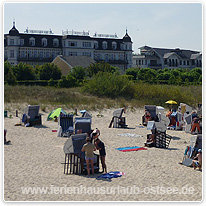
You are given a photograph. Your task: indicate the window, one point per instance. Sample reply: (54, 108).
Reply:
(41, 54)
(139, 62)
(86, 44)
(22, 54)
(122, 46)
(32, 41)
(114, 45)
(21, 42)
(29, 54)
(11, 53)
(104, 45)
(47, 54)
(112, 56)
(95, 44)
(35, 54)
(44, 42)
(106, 57)
(11, 42)
(72, 43)
(55, 42)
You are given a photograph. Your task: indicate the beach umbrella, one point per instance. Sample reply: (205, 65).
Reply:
(55, 113)
(171, 102)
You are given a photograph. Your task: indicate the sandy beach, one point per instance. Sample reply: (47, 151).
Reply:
(34, 160)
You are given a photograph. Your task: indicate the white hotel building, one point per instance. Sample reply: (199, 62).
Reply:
(32, 47)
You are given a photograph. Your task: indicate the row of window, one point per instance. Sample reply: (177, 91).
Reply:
(172, 62)
(32, 42)
(85, 44)
(96, 45)
(33, 54)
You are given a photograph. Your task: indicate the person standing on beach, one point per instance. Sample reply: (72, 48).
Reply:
(88, 148)
(95, 134)
(100, 146)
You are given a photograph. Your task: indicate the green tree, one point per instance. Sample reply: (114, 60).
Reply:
(10, 77)
(94, 68)
(7, 66)
(175, 72)
(200, 79)
(48, 71)
(110, 85)
(133, 72)
(172, 79)
(79, 73)
(147, 75)
(24, 72)
(67, 81)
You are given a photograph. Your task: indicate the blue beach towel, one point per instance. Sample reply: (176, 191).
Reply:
(111, 175)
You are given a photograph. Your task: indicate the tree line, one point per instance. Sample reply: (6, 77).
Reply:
(99, 73)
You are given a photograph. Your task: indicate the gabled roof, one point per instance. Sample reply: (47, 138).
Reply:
(74, 61)
(183, 53)
(167, 55)
(195, 56)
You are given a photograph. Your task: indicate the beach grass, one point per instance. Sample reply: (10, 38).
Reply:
(72, 98)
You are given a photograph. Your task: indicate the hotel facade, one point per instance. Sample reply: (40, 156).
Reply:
(38, 47)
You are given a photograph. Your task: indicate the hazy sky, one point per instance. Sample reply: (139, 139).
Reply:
(164, 25)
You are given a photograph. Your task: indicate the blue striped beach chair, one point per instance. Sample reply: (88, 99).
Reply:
(66, 123)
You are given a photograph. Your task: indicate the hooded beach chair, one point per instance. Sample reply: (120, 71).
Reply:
(65, 124)
(117, 120)
(153, 110)
(75, 162)
(31, 115)
(191, 150)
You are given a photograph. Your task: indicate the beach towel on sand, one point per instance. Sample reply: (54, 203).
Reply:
(111, 175)
(128, 149)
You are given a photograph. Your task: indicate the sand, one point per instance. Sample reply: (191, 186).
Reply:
(34, 160)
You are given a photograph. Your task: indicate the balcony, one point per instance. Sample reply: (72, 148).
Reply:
(154, 65)
(110, 61)
(39, 59)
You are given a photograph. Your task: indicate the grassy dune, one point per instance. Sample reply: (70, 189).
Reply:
(71, 98)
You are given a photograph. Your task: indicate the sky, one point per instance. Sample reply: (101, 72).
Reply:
(161, 25)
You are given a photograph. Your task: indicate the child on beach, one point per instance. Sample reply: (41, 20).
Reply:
(100, 146)
(88, 148)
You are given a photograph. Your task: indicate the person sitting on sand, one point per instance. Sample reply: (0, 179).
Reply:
(88, 148)
(197, 161)
(100, 146)
(147, 116)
